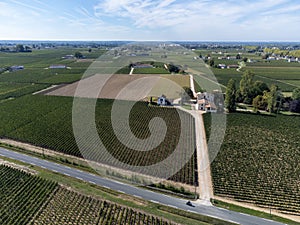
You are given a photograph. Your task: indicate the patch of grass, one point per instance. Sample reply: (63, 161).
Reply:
(194, 216)
(150, 71)
(252, 212)
(181, 80)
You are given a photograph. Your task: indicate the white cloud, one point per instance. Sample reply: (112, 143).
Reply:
(152, 19)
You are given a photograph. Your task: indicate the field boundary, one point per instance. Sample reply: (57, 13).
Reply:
(254, 207)
(86, 163)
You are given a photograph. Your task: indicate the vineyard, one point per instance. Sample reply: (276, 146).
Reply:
(28, 199)
(11, 90)
(21, 195)
(69, 207)
(259, 161)
(46, 121)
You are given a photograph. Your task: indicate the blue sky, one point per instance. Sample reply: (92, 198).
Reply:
(244, 20)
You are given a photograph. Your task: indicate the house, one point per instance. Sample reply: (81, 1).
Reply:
(201, 104)
(251, 61)
(163, 101)
(231, 57)
(205, 95)
(58, 67)
(15, 68)
(68, 57)
(205, 102)
(205, 105)
(222, 66)
(292, 59)
(232, 66)
(211, 107)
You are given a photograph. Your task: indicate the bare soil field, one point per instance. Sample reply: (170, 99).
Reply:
(120, 86)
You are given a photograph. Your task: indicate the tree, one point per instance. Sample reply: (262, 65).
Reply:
(230, 96)
(259, 102)
(238, 56)
(20, 48)
(27, 49)
(295, 106)
(211, 62)
(296, 94)
(274, 98)
(189, 92)
(78, 55)
(173, 68)
(258, 88)
(246, 85)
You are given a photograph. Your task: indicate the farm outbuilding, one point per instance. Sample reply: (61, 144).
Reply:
(15, 68)
(58, 67)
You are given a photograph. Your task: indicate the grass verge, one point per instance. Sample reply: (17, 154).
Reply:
(252, 212)
(172, 214)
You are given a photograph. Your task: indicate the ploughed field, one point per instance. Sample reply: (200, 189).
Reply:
(46, 121)
(259, 161)
(28, 199)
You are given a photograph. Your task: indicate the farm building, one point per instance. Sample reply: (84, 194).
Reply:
(58, 67)
(292, 59)
(231, 57)
(68, 57)
(163, 101)
(205, 102)
(222, 66)
(205, 95)
(204, 105)
(15, 68)
(233, 66)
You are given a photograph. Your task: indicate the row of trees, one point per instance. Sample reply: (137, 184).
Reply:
(280, 52)
(22, 48)
(259, 95)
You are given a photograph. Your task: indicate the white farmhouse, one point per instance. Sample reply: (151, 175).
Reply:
(205, 102)
(163, 101)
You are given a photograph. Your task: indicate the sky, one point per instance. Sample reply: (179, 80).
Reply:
(145, 20)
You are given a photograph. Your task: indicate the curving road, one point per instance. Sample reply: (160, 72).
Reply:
(139, 192)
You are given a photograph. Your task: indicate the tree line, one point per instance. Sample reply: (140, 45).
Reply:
(260, 95)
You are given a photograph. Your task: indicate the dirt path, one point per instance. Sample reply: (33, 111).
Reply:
(192, 85)
(206, 78)
(131, 71)
(204, 174)
(205, 189)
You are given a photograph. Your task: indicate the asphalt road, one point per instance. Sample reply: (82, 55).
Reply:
(139, 192)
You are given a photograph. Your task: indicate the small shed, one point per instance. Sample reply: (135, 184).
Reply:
(58, 67)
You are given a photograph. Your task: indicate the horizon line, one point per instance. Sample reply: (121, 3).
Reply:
(125, 40)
